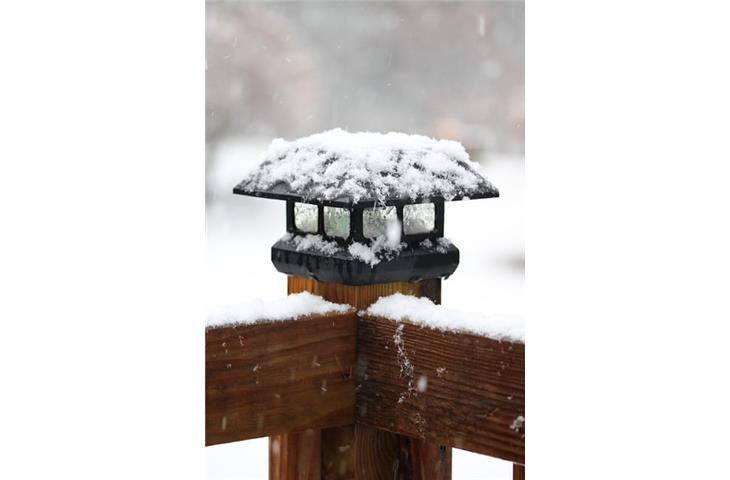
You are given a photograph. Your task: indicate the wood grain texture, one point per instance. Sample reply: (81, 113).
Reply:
(362, 296)
(427, 461)
(338, 416)
(472, 395)
(383, 455)
(295, 456)
(338, 453)
(279, 377)
(377, 454)
(518, 472)
(366, 453)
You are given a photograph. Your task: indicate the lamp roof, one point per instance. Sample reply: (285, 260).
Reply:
(340, 168)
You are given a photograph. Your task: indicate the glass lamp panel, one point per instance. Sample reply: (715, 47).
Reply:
(337, 222)
(305, 217)
(419, 218)
(375, 221)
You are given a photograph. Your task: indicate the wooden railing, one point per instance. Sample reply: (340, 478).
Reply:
(344, 396)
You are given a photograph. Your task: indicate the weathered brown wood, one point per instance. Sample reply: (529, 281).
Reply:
(428, 460)
(362, 296)
(338, 453)
(377, 454)
(455, 389)
(518, 472)
(473, 398)
(367, 453)
(382, 455)
(295, 456)
(279, 377)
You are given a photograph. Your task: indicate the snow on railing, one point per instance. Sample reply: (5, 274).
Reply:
(291, 307)
(422, 311)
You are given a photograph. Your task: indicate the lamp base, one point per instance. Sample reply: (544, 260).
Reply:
(411, 264)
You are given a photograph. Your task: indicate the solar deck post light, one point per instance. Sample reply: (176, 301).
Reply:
(365, 219)
(354, 229)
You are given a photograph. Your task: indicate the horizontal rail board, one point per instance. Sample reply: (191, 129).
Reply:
(271, 378)
(449, 389)
(455, 389)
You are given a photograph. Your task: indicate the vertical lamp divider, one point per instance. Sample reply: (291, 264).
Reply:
(438, 228)
(356, 225)
(399, 213)
(290, 217)
(320, 219)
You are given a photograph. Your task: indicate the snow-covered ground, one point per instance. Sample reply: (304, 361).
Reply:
(240, 231)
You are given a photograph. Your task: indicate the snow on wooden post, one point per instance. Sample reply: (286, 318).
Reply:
(365, 219)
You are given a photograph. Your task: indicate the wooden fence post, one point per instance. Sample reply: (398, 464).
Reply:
(361, 453)
(295, 455)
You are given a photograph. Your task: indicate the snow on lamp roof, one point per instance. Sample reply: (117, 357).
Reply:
(342, 169)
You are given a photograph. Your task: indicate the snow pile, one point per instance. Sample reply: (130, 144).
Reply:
(378, 249)
(441, 246)
(338, 164)
(316, 243)
(422, 311)
(384, 246)
(364, 253)
(518, 423)
(443, 243)
(291, 307)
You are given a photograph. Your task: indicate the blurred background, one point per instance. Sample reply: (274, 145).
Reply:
(444, 69)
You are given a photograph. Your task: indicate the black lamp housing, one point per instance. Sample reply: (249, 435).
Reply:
(413, 263)
(423, 255)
